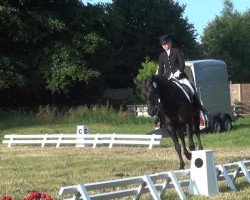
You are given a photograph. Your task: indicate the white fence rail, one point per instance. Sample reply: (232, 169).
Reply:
(155, 185)
(83, 140)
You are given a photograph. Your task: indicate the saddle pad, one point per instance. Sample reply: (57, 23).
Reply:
(184, 91)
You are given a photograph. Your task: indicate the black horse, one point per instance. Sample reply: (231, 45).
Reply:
(168, 101)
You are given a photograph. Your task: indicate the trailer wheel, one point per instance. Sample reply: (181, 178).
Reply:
(216, 126)
(227, 124)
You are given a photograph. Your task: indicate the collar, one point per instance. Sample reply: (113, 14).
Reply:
(168, 52)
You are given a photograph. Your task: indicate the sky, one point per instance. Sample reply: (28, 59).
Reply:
(200, 12)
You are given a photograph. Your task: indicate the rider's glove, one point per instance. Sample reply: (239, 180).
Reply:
(177, 74)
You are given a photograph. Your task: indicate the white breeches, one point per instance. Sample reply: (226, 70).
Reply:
(187, 83)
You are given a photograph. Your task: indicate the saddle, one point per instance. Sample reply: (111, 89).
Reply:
(189, 92)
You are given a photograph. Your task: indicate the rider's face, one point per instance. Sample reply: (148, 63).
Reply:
(166, 46)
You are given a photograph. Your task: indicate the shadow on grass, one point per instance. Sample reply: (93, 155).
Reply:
(240, 184)
(239, 126)
(243, 122)
(7, 126)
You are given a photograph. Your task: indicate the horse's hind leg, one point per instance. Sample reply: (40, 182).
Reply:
(190, 137)
(185, 151)
(198, 135)
(198, 132)
(199, 141)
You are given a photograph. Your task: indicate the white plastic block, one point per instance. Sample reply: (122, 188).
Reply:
(203, 179)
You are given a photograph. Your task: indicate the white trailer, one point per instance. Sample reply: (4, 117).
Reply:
(211, 80)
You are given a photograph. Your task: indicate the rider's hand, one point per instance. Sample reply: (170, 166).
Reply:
(177, 74)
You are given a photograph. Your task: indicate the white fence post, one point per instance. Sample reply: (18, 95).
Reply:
(59, 141)
(152, 141)
(112, 141)
(44, 140)
(11, 139)
(96, 140)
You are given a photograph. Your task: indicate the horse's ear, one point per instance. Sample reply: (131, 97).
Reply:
(154, 85)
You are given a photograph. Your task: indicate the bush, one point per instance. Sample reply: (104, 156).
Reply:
(52, 114)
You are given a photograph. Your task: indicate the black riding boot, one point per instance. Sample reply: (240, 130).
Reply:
(198, 104)
(158, 121)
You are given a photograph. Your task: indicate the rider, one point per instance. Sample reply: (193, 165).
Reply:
(171, 65)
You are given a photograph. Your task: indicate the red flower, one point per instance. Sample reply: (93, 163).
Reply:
(38, 196)
(35, 195)
(6, 198)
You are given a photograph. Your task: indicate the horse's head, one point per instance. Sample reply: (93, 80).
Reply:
(150, 91)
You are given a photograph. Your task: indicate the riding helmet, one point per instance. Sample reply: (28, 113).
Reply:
(164, 39)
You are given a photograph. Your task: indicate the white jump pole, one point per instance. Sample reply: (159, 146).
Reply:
(203, 179)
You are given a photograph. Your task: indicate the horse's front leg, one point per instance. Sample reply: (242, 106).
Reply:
(190, 137)
(177, 148)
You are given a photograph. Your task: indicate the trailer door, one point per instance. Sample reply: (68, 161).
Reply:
(213, 87)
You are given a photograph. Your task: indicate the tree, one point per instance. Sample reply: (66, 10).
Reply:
(65, 46)
(48, 45)
(133, 31)
(227, 38)
(148, 68)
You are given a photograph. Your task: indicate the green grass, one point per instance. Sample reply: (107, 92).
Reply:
(25, 169)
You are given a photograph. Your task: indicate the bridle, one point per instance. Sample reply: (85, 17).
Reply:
(156, 101)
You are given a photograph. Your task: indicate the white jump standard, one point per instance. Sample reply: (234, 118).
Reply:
(203, 174)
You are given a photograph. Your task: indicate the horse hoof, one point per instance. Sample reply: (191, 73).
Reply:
(192, 148)
(188, 156)
(182, 167)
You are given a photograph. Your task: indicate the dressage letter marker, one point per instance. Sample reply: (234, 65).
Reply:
(81, 130)
(203, 179)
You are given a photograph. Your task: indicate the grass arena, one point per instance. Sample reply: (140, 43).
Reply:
(25, 169)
